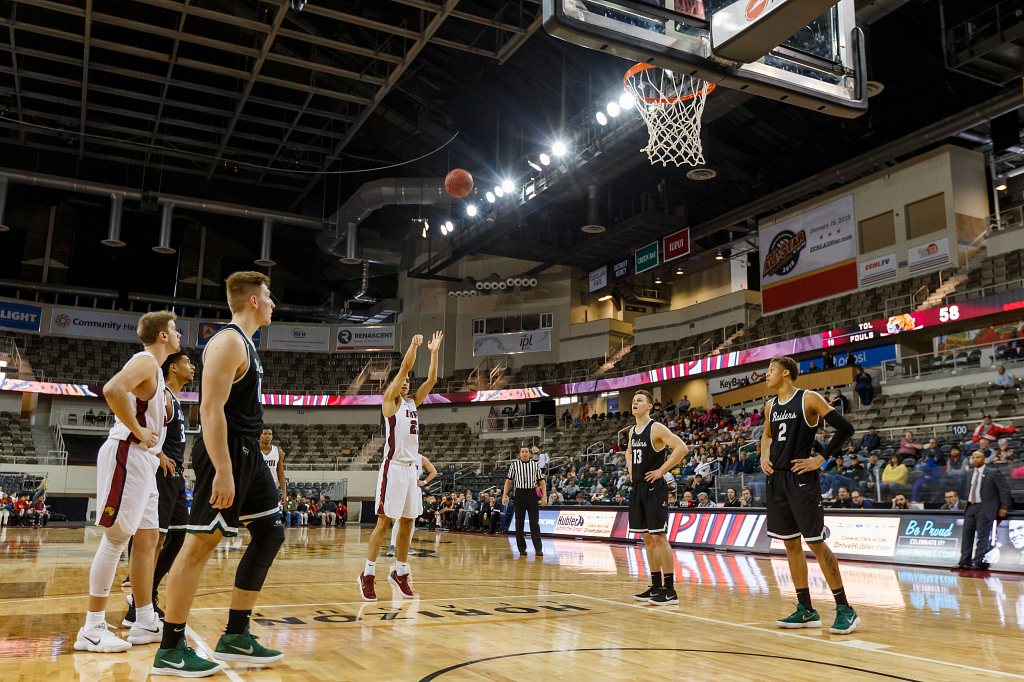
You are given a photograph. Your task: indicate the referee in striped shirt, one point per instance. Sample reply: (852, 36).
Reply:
(528, 477)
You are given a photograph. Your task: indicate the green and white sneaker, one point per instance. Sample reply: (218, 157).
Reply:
(182, 661)
(846, 621)
(801, 618)
(244, 648)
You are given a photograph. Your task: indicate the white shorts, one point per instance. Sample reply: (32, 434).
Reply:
(126, 493)
(398, 496)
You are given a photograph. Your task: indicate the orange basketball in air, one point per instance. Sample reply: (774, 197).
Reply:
(459, 183)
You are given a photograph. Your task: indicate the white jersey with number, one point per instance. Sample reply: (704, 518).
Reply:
(272, 457)
(149, 413)
(401, 435)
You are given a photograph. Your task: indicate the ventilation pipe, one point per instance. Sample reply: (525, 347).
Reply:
(4, 182)
(265, 261)
(114, 228)
(341, 238)
(593, 225)
(166, 221)
(360, 295)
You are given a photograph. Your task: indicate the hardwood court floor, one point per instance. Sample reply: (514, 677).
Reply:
(485, 615)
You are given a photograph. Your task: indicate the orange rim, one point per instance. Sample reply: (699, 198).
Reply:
(640, 66)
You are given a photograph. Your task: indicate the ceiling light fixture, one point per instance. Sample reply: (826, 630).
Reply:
(606, 297)
(534, 165)
(490, 197)
(498, 191)
(448, 226)
(626, 101)
(545, 160)
(471, 210)
(601, 118)
(559, 148)
(613, 109)
(507, 186)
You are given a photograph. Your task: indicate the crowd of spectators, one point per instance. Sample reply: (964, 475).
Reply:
(23, 509)
(308, 510)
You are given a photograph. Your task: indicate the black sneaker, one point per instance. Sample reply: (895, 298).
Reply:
(646, 594)
(663, 597)
(129, 618)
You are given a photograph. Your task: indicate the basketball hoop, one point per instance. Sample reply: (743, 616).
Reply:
(672, 105)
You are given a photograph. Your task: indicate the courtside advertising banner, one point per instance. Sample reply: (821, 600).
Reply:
(100, 324)
(877, 270)
(676, 245)
(18, 316)
(359, 339)
(207, 330)
(599, 278)
(287, 337)
(727, 383)
(930, 256)
(809, 256)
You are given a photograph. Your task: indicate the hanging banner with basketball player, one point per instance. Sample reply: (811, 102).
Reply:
(101, 324)
(620, 269)
(926, 257)
(599, 278)
(646, 258)
(809, 256)
(676, 245)
(288, 337)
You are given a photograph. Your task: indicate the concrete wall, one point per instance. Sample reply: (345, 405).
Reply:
(715, 313)
(720, 279)
(593, 339)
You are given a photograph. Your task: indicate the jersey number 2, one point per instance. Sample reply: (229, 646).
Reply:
(782, 431)
(412, 427)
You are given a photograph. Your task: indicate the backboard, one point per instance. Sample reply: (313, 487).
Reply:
(822, 67)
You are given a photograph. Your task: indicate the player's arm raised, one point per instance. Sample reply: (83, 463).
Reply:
(431, 471)
(390, 407)
(660, 434)
(225, 359)
(843, 430)
(427, 386)
(766, 441)
(128, 380)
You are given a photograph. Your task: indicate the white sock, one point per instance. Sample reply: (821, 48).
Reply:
(394, 535)
(370, 568)
(144, 614)
(94, 618)
(402, 567)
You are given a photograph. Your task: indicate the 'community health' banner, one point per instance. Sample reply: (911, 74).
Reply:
(102, 324)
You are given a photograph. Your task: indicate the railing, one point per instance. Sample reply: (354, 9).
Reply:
(937, 429)
(58, 438)
(894, 305)
(51, 458)
(982, 292)
(518, 423)
(1007, 218)
(984, 26)
(950, 361)
(16, 366)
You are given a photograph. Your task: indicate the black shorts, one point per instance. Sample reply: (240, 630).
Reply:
(173, 507)
(648, 507)
(794, 506)
(256, 495)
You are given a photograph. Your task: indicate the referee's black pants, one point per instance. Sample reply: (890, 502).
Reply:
(528, 502)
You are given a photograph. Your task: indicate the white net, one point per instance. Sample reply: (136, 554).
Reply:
(672, 105)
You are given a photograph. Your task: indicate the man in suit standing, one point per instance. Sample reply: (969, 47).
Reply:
(953, 502)
(988, 498)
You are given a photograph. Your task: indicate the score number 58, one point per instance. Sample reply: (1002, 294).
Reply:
(948, 313)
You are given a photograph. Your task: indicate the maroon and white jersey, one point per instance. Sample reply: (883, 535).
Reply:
(149, 413)
(401, 435)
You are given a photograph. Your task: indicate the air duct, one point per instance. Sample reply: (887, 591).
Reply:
(593, 212)
(339, 239)
(265, 260)
(361, 294)
(4, 182)
(114, 228)
(166, 222)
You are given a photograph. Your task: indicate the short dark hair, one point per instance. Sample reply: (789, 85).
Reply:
(789, 364)
(170, 360)
(647, 396)
(394, 373)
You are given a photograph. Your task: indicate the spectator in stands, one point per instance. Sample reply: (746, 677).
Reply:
(429, 515)
(1004, 455)
(909, 446)
(870, 440)
(848, 476)
(991, 431)
(5, 509)
(932, 449)
(1018, 472)
(858, 501)
(851, 359)
(984, 449)
(732, 467)
(1004, 379)
(494, 522)
(468, 508)
(581, 501)
(843, 499)
(555, 498)
(484, 515)
(619, 499)
(571, 490)
(40, 512)
(953, 502)
(747, 465)
(704, 501)
(700, 485)
(303, 510)
(448, 511)
(840, 403)
(932, 473)
(687, 500)
(684, 404)
(566, 419)
(862, 385)
(812, 368)
(328, 511)
(20, 508)
(730, 498)
(900, 501)
(747, 498)
(954, 462)
(827, 360)
(342, 511)
(894, 475)
(752, 420)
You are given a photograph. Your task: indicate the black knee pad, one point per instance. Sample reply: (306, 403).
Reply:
(173, 542)
(267, 538)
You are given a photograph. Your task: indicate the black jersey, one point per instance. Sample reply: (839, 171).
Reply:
(243, 410)
(174, 443)
(792, 436)
(645, 456)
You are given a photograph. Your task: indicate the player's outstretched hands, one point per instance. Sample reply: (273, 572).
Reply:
(147, 437)
(766, 465)
(417, 341)
(435, 342)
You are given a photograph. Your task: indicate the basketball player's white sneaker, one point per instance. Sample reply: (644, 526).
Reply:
(146, 633)
(99, 638)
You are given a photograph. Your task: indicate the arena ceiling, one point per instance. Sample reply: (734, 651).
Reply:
(251, 102)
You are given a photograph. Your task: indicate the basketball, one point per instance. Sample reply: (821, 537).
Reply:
(459, 183)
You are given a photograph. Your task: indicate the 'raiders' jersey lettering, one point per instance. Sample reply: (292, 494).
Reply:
(645, 456)
(792, 436)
